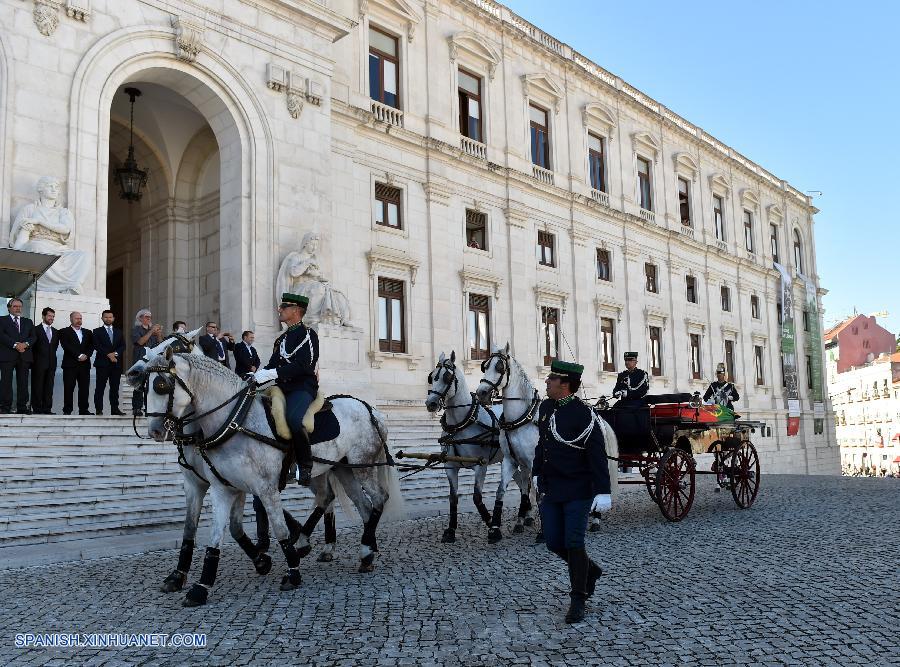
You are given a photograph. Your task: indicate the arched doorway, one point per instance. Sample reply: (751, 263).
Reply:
(165, 252)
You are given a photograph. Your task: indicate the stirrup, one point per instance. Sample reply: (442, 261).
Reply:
(304, 476)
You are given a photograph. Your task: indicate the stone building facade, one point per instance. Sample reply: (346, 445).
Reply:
(471, 179)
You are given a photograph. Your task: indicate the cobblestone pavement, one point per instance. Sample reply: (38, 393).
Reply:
(808, 576)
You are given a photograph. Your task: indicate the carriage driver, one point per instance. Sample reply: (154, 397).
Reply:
(632, 383)
(571, 472)
(721, 391)
(293, 367)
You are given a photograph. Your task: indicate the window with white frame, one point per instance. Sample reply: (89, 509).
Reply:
(479, 326)
(645, 184)
(540, 135)
(608, 344)
(696, 371)
(476, 230)
(604, 266)
(655, 335)
(597, 161)
(684, 201)
(758, 357)
(384, 68)
(719, 217)
(550, 328)
(387, 206)
(470, 112)
(748, 231)
(546, 247)
(391, 310)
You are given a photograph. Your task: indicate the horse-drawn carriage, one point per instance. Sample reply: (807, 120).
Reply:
(660, 437)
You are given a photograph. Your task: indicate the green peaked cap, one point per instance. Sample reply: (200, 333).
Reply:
(566, 369)
(299, 299)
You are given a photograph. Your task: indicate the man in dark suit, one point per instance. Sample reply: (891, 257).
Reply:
(77, 345)
(246, 360)
(43, 369)
(109, 343)
(17, 337)
(216, 345)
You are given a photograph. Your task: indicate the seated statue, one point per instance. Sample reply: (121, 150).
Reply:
(300, 273)
(46, 227)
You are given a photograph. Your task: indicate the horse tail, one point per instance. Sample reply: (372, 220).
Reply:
(612, 456)
(388, 479)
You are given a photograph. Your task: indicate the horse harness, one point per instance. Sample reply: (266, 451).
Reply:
(503, 367)
(489, 434)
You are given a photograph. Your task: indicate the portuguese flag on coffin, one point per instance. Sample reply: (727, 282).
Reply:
(704, 414)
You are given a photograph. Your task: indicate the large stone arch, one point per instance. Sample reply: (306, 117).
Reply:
(242, 133)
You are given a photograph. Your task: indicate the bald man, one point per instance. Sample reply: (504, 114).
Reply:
(78, 346)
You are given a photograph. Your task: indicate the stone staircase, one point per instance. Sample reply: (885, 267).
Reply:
(80, 487)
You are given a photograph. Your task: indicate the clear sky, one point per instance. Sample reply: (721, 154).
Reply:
(809, 89)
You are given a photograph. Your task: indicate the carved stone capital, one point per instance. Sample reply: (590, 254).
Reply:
(46, 16)
(188, 38)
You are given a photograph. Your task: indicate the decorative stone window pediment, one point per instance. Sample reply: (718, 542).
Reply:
(400, 10)
(644, 142)
(604, 306)
(542, 87)
(776, 215)
(393, 262)
(472, 46)
(551, 296)
(656, 317)
(474, 280)
(686, 165)
(729, 332)
(749, 199)
(596, 115)
(694, 325)
(720, 185)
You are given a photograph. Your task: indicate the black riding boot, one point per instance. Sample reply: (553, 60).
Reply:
(578, 574)
(303, 454)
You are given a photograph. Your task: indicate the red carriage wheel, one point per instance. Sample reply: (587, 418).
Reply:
(675, 484)
(744, 474)
(648, 468)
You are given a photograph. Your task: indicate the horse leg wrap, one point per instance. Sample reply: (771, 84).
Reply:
(185, 555)
(330, 529)
(482, 510)
(454, 508)
(262, 525)
(524, 506)
(313, 521)
(292, 579)
(247, 545)
(497, 519)
(210, 567)
(368, 536)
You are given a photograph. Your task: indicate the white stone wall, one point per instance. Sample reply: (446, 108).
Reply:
(282, 176)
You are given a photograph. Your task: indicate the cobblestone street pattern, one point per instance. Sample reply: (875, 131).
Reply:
(808, 576)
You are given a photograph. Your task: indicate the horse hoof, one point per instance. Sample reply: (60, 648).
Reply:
(494, 536)
(195, 597)
(263, 564)
(325, 557)
(449, 537)
(595, 528)
(529, 520)
(519, 528)
(303, 552)
(291, 580)
(173, 583)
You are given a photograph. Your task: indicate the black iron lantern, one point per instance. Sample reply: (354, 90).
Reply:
(131, 178)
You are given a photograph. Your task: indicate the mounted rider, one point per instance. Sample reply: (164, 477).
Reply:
(632, 383)
(721, 391)
(292, 366)
(571, 470)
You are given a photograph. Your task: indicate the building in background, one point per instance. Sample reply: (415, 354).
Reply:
(438, 175)
(864, 386)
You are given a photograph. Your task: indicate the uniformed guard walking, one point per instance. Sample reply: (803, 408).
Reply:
(632, 383)
(571, 472)
(721, 391)
(293, 367)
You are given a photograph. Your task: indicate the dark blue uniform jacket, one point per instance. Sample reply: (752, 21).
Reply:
(298, 371)
(570, 472)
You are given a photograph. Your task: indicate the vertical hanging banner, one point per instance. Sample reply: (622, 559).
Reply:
(789, 350)
(815, 344)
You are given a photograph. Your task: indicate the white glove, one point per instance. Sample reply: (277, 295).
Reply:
(618, 394)
(264, 375)
(602, 503)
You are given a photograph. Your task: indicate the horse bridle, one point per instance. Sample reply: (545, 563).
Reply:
(503, 367)
(164, 385)
(449, 376)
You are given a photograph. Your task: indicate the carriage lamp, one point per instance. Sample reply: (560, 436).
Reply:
(131, 177)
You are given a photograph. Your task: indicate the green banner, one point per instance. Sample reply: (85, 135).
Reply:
(815, 340)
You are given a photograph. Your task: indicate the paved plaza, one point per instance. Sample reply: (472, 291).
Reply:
(808, 576)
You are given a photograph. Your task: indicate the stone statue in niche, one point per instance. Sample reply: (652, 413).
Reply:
(300, 273)
(46, 227)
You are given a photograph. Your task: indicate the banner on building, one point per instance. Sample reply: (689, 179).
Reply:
(789, 350)
(816, 351)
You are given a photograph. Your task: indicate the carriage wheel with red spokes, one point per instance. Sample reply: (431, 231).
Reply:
(744, 474)
(648, 469)
(675, 484)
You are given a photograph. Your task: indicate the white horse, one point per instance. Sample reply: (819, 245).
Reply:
(190, 389)
(503, 374)
(469, 431)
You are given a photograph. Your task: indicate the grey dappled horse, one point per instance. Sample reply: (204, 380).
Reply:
(470, 430)
(504, 375)
(187, 384)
